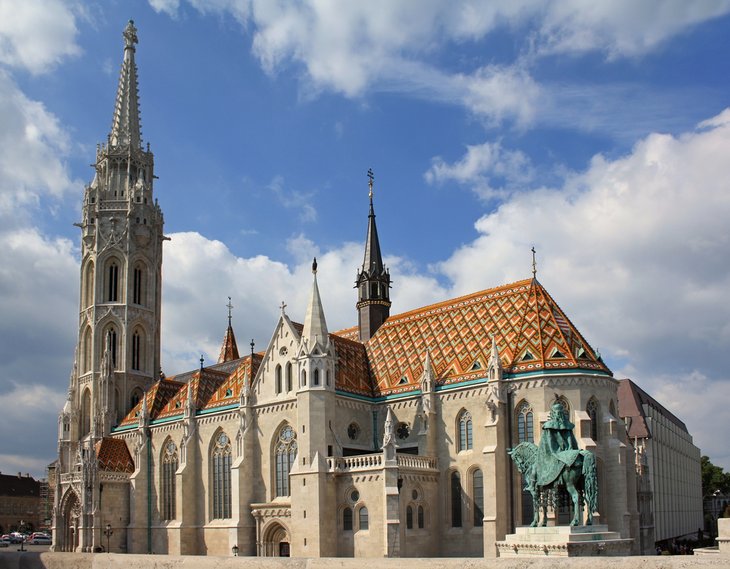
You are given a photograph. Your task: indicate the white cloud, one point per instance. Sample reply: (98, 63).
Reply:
(36, 34)
(301, 202)
(635, 251)
(487, 168)
(621, 28)
(169, 6)
(34, 145)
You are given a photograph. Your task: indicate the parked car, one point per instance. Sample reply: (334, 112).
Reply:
(4, 541)
(40, 540)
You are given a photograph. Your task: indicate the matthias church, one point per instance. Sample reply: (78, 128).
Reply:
(388, 438)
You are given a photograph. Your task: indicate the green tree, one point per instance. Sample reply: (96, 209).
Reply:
(714, 478)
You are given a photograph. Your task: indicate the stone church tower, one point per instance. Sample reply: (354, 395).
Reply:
(118, 350)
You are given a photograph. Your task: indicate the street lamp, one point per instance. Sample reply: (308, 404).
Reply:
(234, 549)
(22, 539)
(107, 532)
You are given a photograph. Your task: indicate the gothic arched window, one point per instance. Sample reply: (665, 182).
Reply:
(477, 480)
(421, 518)
(86, 352)
(592, 410)
(304, 378)
(138, 350)
(112, 281)
(525, 432)
(86, 413)
(138, 284)
(277, 379)
(316, 377)
(136, 397)
(347, 519)
(362, 518)
(286, 452)
(465, 431)
(221, 472)
(409, 517)
(89, 285)
(455, 500)
(288, 377)
(170, 464)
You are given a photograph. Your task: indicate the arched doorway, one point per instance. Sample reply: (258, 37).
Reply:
(276, 541)
(68, 536)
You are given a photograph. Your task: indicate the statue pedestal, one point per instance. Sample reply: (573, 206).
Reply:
(564, 541)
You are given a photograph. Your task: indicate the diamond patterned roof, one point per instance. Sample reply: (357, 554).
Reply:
(532, 334)
(531, 331)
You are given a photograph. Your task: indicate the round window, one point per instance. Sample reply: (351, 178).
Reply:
(403, 431)
(353, 431)
(354, 495)
(415, 494)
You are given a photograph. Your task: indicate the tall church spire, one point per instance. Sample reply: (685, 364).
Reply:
(315, 326)
(126, 124)
(373, 280)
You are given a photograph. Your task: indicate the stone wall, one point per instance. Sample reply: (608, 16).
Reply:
(30, 560)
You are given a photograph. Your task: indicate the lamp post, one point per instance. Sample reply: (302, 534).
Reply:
(234, 549)
(21, 527)
(108, 531)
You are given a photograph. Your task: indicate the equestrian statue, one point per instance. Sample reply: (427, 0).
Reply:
(558, 463)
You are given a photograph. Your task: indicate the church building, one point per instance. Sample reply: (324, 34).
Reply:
(388, 438)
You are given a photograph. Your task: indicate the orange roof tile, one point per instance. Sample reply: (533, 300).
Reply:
(532, 334)
(113, 455)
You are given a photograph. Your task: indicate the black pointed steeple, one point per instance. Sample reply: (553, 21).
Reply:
(373, 280)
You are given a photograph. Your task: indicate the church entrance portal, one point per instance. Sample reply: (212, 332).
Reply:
(68, 536)
(276, 541)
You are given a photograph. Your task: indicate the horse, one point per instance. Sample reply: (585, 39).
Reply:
(578, 478)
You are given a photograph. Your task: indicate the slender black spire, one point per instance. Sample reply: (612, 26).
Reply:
(373, 279)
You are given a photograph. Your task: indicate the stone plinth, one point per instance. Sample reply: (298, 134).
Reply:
(564, 541)
(723, 535)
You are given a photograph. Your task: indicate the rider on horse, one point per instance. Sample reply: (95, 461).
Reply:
(558, 446)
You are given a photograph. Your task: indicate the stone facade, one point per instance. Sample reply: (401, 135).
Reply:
(388, 439)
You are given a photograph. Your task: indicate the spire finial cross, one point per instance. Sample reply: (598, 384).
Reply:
(283, 307)
(252, 344)
(202, 359)
(371, 177)
(534, 264)
(130, 35)
(229, 306)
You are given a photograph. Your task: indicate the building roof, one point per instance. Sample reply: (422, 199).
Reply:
(19, 485)
(631, 401)
(113, 455)
(229, 349)
(531, 331)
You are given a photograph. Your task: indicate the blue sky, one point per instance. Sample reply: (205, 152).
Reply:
(599, 133)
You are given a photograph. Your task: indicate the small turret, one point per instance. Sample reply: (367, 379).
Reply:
(229, 349)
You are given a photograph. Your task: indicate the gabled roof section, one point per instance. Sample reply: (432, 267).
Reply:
(126, 129)
(157, 397)
(212, 387)
(229, 349)
(113, 455)
(531, 331)
(631, 401)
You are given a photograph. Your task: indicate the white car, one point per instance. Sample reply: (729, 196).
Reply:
(41, 540)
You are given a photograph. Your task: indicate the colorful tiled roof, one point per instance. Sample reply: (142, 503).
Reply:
(532, 334)
(113, 455)
(212, 387)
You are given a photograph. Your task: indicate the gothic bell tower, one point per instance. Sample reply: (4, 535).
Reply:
(373, 281)
(118, 352)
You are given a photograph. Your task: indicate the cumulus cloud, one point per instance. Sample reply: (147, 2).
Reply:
(34, 147)
(634, 250)
(36, 34)
(489, 169)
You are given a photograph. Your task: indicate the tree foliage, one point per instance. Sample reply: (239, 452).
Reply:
(714, 478)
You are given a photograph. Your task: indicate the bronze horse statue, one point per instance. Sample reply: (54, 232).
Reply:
(574, 470)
